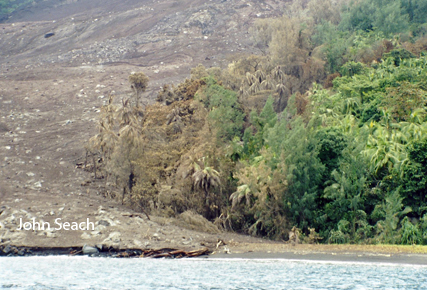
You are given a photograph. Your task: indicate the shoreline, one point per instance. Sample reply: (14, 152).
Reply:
(405, 259)
(379, 257)
(99, 251)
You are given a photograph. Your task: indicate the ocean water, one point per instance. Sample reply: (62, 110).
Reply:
(62, 272)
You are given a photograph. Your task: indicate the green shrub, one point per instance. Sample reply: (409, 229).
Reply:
(225, 114)
(410, 234)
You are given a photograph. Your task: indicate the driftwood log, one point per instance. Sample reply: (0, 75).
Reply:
(173, 253)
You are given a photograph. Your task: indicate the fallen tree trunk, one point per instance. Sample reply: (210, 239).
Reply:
(173, 253)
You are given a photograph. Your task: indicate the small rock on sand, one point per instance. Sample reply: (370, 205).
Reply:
(85, 236)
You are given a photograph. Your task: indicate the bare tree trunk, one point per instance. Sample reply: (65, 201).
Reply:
(86, 158)
(137, 98)
(94, 164)
(123, 195)
(144, 212)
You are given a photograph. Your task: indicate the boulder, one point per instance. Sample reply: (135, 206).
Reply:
(104, 223)
(88, 250)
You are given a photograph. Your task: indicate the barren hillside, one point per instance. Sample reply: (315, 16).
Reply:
(59, 63)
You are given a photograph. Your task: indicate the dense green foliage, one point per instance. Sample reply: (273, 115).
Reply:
(370, 28)
(5, 5)
(225, 113)
(354, 175)
(352, 165)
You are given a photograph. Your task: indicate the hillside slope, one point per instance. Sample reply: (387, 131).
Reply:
(58, 64)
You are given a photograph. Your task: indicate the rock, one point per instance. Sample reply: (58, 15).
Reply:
(86, 182)
(51, 235)
(104, 223)
(113, 240)
(156, 237)
(100, 211)
(7, 249)
(85, 236)
(100, 228)
(138, 243)
(3, 209)
(111, 246)
(88, 250)
(115, 237)
(48, 35)
(226, 250)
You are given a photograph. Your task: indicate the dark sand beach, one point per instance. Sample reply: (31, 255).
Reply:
(409, 259)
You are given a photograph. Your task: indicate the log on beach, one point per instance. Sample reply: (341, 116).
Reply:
(173, 253)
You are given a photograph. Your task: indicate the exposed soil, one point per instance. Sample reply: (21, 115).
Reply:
(59, 62)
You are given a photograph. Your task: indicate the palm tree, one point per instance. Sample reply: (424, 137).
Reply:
(350, 105)
(348, 124)
(282, 101)
(243, 191)
(255, 88)
(138, 83)
(174, 115)
(260, 76)
(132, 134)
(243, 94)
(129, 124)
(386, 120)
(385, 150)
(268, 83)
(250, 79)
(206, 178)
(415, 128)
(281, 89)
(106, 139)
(278, 74)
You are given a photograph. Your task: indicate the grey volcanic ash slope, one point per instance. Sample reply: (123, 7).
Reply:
(58, 62)
(174, 31)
